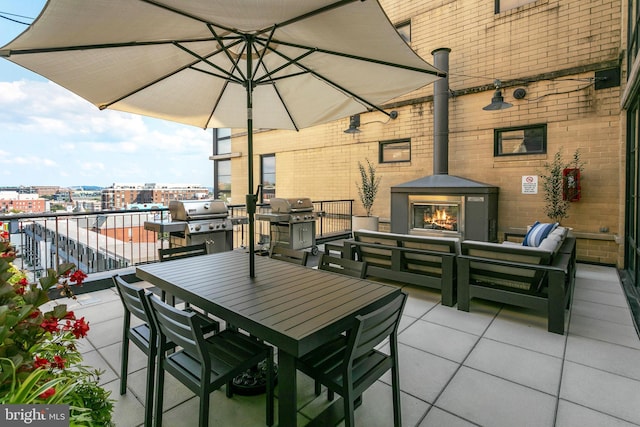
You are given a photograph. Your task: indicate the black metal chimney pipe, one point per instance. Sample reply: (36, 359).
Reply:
(441, 113)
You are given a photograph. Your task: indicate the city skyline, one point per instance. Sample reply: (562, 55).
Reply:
(50, 136)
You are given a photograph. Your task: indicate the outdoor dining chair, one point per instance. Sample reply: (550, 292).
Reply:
(289, 255)
(350, 363)
(204, 364)
(179, 252)
(145, 336)
(345, 266)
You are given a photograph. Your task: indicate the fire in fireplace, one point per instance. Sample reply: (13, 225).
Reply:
(439, 217)
(438, 213)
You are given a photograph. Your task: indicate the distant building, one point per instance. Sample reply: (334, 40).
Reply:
(119, 196)
(13, 201)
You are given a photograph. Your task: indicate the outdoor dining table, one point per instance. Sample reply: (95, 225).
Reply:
(292, 307)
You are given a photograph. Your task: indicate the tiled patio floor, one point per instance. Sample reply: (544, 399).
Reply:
(495, 366)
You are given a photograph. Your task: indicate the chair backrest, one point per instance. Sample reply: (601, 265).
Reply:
(345, 266)
(183, 328)
(374, 327)
(289, 255)
(133, 298)
(167, 254)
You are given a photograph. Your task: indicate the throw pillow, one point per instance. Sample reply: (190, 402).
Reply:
(538, 232)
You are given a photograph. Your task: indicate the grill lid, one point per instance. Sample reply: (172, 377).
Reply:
(187, 210)
(291, 205)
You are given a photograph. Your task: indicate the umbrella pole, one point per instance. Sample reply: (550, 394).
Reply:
(251, 199)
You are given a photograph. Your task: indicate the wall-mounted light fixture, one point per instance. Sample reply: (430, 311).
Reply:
(354, 124)
(497, 102)
(354, 121)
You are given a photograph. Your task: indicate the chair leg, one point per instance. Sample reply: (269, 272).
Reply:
(395, 387)
(124, 362)
(148, 401)
(203, 416)
(159, 392)
(349, 408)
(317, 388)
(330, 395)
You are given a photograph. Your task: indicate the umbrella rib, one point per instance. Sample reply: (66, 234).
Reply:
(331, 83)
(362, 58)
(228, 54)
(229, 74)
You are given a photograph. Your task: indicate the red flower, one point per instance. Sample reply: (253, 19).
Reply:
(77, 277)
(70, 315)
(4, 235)
(21, 290)
(35, 314)
(80, 328)
(23, 281)
(50, 325)
(47, 393)
(40, 363)
(58, 362)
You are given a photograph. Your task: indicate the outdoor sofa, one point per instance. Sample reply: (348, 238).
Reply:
(418, 260)
(538, 274)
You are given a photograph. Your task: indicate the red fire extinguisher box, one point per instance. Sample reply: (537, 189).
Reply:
(571, 184)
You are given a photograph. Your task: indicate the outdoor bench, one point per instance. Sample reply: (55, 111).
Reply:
(540, 278)
(417, 260)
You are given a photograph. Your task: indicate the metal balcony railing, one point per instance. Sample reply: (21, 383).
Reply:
(110, 240)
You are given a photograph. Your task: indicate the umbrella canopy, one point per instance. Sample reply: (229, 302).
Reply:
(271, 64)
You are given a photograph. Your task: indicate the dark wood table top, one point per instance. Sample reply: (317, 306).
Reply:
(294, 308)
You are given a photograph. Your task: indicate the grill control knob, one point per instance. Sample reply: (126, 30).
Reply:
(223, 225)
(197, 227)
(211, 226)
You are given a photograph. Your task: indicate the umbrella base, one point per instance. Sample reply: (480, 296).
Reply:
(253, 381)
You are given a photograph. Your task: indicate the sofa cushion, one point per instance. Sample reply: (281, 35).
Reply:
(538, 232)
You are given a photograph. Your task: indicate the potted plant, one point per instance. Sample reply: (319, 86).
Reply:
(367, 191)
(553, 184)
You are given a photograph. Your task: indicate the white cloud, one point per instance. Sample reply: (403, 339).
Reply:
(51, 136)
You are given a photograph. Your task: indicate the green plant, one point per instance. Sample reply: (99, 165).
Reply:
(556, 205)
(39, 358)
(368, 186)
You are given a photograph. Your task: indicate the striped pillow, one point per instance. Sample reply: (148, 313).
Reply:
(538, 232)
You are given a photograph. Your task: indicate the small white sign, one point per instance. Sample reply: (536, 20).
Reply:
(530, 184)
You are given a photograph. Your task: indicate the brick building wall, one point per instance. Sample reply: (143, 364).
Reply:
(551, 48)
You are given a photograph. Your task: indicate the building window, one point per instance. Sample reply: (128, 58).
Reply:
(268, 176)
(222, 141)
(398, 150)
(222, 180)
(520, 140)
(404, 29)
(504, 5)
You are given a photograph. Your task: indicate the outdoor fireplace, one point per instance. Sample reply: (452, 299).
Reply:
(442, 204)
(446, 206)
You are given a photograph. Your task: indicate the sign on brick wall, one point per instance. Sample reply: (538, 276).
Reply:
(530, 184)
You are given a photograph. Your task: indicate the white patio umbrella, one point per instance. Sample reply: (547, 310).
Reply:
(270, 64)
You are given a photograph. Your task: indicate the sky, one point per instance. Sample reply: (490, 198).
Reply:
(50, 136)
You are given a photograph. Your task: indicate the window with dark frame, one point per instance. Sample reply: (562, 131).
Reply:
(404, 29)
(222, 167)
(520, 140)
(504, 5)
(222, 189)
(268, 176)
(222, 141)
(398, 150)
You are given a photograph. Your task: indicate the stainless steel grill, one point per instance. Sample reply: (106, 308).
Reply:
(198, 221)
(292, 223)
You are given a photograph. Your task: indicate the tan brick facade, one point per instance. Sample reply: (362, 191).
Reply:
(551, 48)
